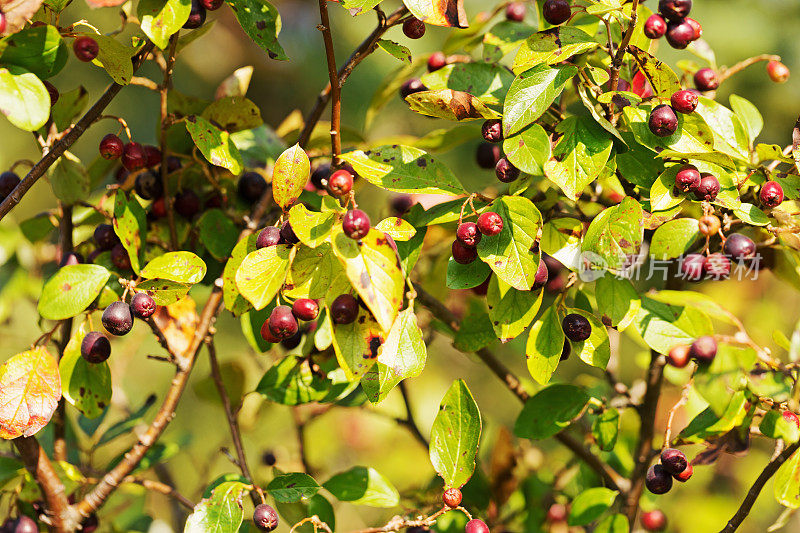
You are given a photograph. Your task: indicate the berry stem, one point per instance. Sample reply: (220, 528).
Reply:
(122, 123)
(164, 92)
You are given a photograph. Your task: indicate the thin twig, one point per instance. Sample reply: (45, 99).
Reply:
(336, 89)
(726, 73)
(409, 421)
(164, 92)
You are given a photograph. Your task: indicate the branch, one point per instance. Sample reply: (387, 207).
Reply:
(72, 135)
(164, 124)
(616, 63)
(724, 74)
(59, 429)
(409, 421)
(155, 486)
(333, 76)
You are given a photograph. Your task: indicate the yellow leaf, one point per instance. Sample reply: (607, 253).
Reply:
(30, 388)
(290, 175)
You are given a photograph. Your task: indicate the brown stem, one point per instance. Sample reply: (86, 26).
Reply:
(69, 138)
(155, 486)
(644, 449)
(409, 421)
(164, 92)
(366, 47)
(333, 76)
(59, 418)
(616, 63)
(300, 429)
(752, 494)
(726, 73)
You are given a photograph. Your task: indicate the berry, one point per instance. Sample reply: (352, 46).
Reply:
(709, 225)
(490, 223)
(251, 187)
(8, 182)
(268, 458)
(717, 266)
(142, 305)
(658, 480)
(212, 5)
(791, 417)
(148, 185)
(111, 147)
(674, 10)
(487, 155)
(158, 208)
(777, 71)
(557, 513)
(269, 236)
(655, 26)
(707, 188)
(463, 255)
(320, 175)
(505, 171)
(452, 498)
(515, 12)
(696, 26)
(197, 16)
(492, 130)
(576, 327)
(476, 526)
(704, 349)
(282, 322)
(85, 48)
(693, 266)
(153, 156)
(24, 524)
(684, 476)
(739, 247)
(134, 156)
(265, 518)
(120, 258)
(414, 85)
(267, 335)
(483, 288)
(355, 224)
(414, 28)
(705, 79)
(288, 235)
(566, 351)
(52, 91)
(305, 309)
(684, 101)
(678, 356)
(340, 183)
(556, 12)
(95, 347)
(90, 524)
(71, 258)
(468, 234)
(687, 178)
(117, 319)
(344, 309)
(771, 194)
(104, 237)
(680, 34)
(542, 275)
(674, 461)
(436, 61)
(654, 520)
(663, 121)
(401, 204)
(187, 203)
(292, 342)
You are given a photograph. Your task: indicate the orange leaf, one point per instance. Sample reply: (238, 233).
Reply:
(178, 322)
(30, 388)
(17, 13)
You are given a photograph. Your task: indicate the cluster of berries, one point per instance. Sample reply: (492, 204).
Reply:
(672, 20)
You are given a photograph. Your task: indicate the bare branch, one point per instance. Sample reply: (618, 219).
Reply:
(336, 88)
(166, 84)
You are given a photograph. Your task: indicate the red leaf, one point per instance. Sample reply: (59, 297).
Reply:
(30, 388)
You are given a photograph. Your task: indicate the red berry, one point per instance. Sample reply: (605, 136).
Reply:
(267, 335)
(678, 356)
(684, 476)
(340, 183)
(414, 28)
(134, 157)
(305, 309)
(436, 61)
(684, 101)
(344, 309)
(153, 156)
(556, 12)
(468, 234)
(707, 188)
(654, 520)
(687, 178)
(698, 29)
(463, 254)
(212, 5)
(791, 417)
(85, 48)
(655, 26)
(771, 194)
(663, 121)
(693, 266)
(476, 526)
(777, 71)
(705, 79)
(159, 208)
(490, 223)
(356, 224)
(111, 147)
(269, 236)
(282, 322)
(265, 517)
(704, 349)
(3, 22)
(142, 305)
(452, 498)
(515, 12)
(542, 275)
(680, 34)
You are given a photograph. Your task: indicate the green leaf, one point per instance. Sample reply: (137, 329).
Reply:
(674, 238)
(183, 267)
(404, 169)
(549, 411)
(615, 234)
(39, 49)
(215, 144)
(476, 330)
(68, 107)
(729, 134)
(234, 301)
(262, 23)
(288, 488)
(693, 135)
(85, 385)
(450, 105)
(71, 290)
(218, 233)
(363, 486)
(528, 150)
(234, 113)
(161, 18)
(397, 228)
(552, 46)
(398, 51)
(69, 179)
(618, 300)
(115, 58)
(291, 382)
(262, 272)
(220, 513)
(466, 276)
(605, 429)
(130, 225)
(663, 326)
(488, 82)
(455, 436)
(775, 426)
(544, 346)
(311, 228)
(531, 94)
(290, 175)
(23, 98)
(615, 523)
(513, 254)
(590, 504)
(511, 310)
(579, 156)
(662, 193)
(316, 273)
(596, 350)
(787, 482)
(504, 37)
(661, 77)
(372, 268)
(164, 292)
(748, 115)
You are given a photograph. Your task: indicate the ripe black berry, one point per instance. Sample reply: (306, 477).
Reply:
(142, 305)
(134, 156)
(288, 235)
(95, 347)
(490, 223)
(111, 147)
(187, 203)
(355, 224)
(771, 194)
(556, 12)
(663, 121)
(305, 309)
(85, 48)
(468, 234)
(705, 79)
(344, 309)
(401, 204)
(269, 236)
(492, 130)
(654, 520)
(680, 34)
(687, 178)
(576, 327)
(674, 461)
(684, 101)
(104, 237)
(674, 10)
(777, 71)
(414, 28)
(320, 175)
(414, 85)
(566, 351)
(739, 247)
(704, 349)
(655, 26)
(658, 480)
(8, 182)
(117, 318)
(148, 185)
(463, 254)
(436, 61)
(340, 183)
(197, 16)
(487, 155)
(707, 188)
(282, 322)
(505, 171)
(452, 498)
(515, 12)
(476, 526)
(120, 258)
(265, 518)
(251, 187)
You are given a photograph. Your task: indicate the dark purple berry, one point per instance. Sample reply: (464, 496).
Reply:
(187, 204)
(344, 309)
(85, 48)
(71, 258)
(355, 224)
(663, 121)
(401, 204)
(463, 255)
(197, 16)
(680, 34)
(414, 85)
(142, 305)
(576, 327)
(487, 155)
(8, 182)
(265, 517)
(674, 461)
(120, 257)
(117, 318)
(269, 236)
(288, 236)
(251, 187)
(95, 347)
(704, 349)
(556, 11)
(148, 185)
(687, 178)
(505, 171)
(468, 234)
(492, 130)
(414, 28)
(658, 480)
(675, 10)
(104, 237)
(739, 247)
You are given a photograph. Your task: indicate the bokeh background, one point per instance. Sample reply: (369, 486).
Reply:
(346, 437)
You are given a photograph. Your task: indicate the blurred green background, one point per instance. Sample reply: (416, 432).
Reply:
(346, 437)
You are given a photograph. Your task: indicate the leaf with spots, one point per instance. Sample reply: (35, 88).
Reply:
(234, 113)
(85, 385)
(316, 273)
(373, 268)
(163, 291)
(161, 18)
(290, 175)
(262, 273)
(311, 227)
(549, 411)
(30, 388)
(215, 144)
(693, 135)
(531, 94)
(552, 46)
(290, 488)
(262, 23)
(397, 228)
(489, 82)
(615, 235)
(291, 381)
(455, 436)
(661, 77)
(511, 310)
(234, 301)
(183, 267)
(71, 290)
(220, 512)
(130, 225)
(357, 344)
(450, 105)
(449, 13)
(398, 51)
(115, 58)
